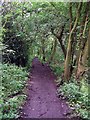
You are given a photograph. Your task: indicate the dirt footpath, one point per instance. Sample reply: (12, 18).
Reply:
(42, 101)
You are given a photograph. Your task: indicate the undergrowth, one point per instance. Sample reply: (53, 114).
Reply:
(77, 95)
(11, 90)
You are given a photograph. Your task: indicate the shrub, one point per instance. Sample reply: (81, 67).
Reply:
(71, 91)
(77, 95)
(13, 82)
(57, 69)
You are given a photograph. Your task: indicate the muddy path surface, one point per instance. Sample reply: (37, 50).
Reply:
(42, 101)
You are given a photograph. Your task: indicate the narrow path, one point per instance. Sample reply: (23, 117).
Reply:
(42, 101)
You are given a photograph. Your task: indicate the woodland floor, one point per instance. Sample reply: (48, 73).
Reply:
(42, 101)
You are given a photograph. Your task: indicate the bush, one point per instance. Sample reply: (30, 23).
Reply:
(71, 91)
(57, 69)
(77, 96)
(13, 82)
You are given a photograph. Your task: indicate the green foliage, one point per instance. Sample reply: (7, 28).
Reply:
(57, 64)
(13, 82)
(26, 25)
(70, 90)
(77, 96)
(57, 69)
(26, 33)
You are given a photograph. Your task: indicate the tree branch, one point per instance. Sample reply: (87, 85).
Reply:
(59, 37)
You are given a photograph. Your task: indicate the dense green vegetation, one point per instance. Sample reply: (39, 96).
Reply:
(77, 97)
(56, 32)
(12, 94)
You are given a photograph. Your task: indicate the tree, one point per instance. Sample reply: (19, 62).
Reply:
(68, 60)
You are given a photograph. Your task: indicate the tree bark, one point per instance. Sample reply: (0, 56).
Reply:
(83, 49)
(68, 60)
(70, 14)
(82, 30)
(53, 51)
(43, 49)
(59, 37)
(82, 59)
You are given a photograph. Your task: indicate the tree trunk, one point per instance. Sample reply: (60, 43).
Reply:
(82, 59)
(83, 50)
(62, 47)
(83, 29)
(59, 37)
(43, 49)
(53, 51)
(70, 14)
(68, 60)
